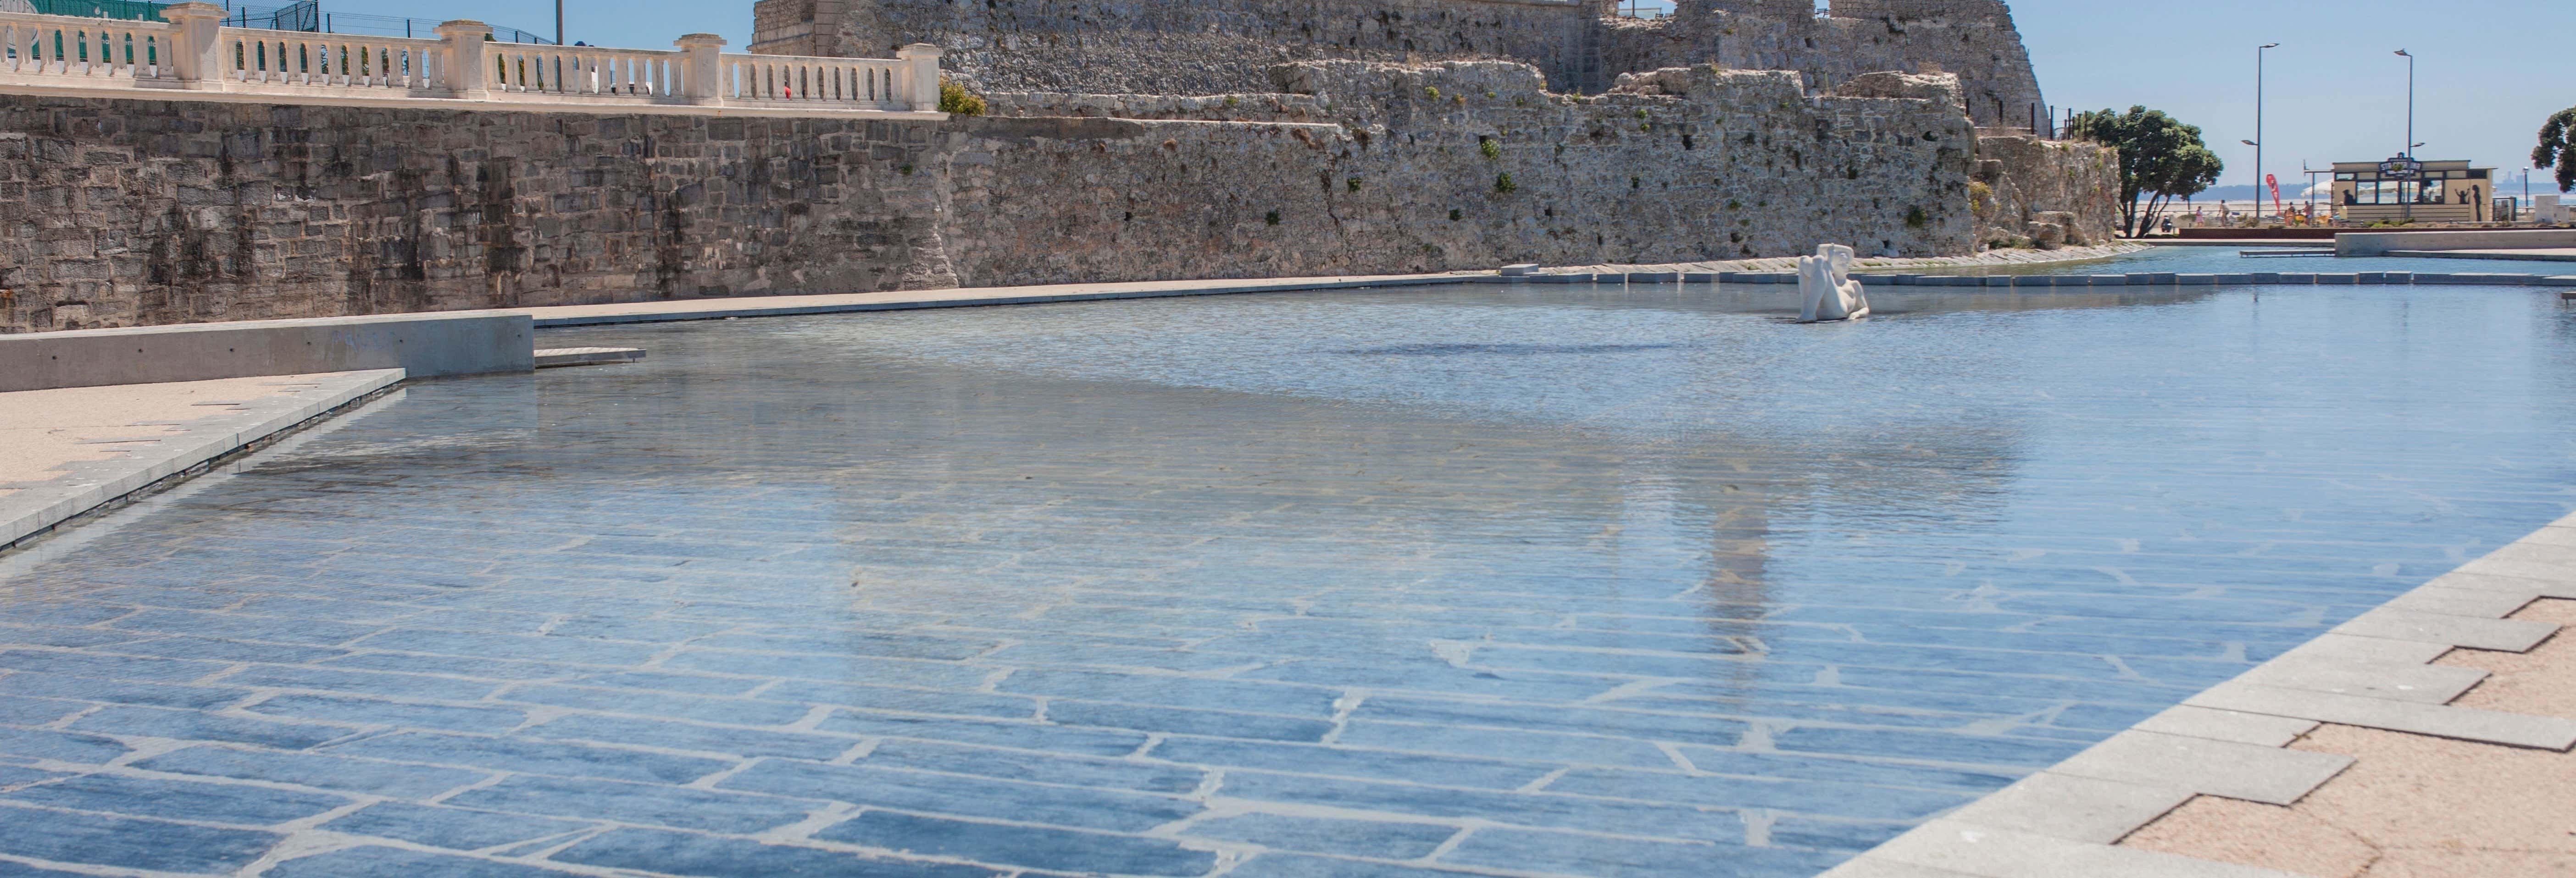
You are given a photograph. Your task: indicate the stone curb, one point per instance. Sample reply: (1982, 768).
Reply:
(969, 297)
(2232, 739)
(39, 506)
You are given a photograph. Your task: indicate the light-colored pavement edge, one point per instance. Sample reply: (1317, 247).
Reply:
(2231, 740)
(962, 297)
(36, 507)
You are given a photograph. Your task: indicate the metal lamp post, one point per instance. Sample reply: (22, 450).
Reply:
(2258, 123)
(2409, 154)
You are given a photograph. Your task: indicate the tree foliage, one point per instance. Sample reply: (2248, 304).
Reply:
(2558, 148)
(2161, 159)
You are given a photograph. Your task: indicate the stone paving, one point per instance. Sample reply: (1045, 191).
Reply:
(1512, 581)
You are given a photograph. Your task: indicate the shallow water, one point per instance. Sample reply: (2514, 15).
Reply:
(2230, 260)
(1567, 579)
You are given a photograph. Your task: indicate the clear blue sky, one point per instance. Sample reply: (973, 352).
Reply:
(2488, 71)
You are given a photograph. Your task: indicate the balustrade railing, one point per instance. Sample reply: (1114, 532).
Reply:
(855, 82)
(194, 51)
(585, 71)
(86, 48)
(329, 60)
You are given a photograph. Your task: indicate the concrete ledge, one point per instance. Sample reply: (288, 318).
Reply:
(38, 506)
(553, 358)
(2380, 243)
(422, 345)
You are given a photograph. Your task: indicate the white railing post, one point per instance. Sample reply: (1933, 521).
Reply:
(197, 56)
(701, 67)
(920, 75)
(469, 62)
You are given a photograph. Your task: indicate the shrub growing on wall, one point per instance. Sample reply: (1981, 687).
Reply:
(954, 98)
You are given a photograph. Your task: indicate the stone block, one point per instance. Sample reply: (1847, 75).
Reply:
(2477, 602)
(2261, 730)
(2468, 724)
(2073, 807)
(2427, 684)
(2510, 635)
(2195, 280)
(1986, 852)
(2202, 765)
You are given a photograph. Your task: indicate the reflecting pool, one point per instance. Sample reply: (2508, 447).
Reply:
(2232, 260)
(1562, 580)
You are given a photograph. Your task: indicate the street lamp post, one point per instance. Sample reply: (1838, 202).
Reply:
(2258, 123)
(2409, 154)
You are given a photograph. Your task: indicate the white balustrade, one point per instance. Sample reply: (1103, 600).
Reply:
(276, 57)
(864, 83)
(86, 48)
(583, 71)
(195, 51)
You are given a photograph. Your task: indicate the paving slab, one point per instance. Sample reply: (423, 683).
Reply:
(2454, 601)
(1987, 852)
(1874, 867)
(2468, 724)
(2073, 807)
(2220, 768)
(2509, 635)
(2427, 684)
(2227, 725)
(2538, 588)
(2370, 650)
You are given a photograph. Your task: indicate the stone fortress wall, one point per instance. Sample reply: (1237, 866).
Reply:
(1201, 47)
(1185, 47)
(123, 211)
(131, 212)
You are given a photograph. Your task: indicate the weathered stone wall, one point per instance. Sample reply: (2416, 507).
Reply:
(2033, 192)
(140, 212)
(1179, 46)
(124, 212)
(1682, 165)
(1251, 107)
(1973, 39)
(1195, 47)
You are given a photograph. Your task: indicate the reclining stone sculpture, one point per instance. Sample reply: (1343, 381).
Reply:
(1825, 284)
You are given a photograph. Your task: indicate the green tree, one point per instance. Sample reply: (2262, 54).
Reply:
(2558, 147)
(2161, 159)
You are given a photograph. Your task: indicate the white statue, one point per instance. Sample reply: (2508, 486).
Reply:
(1824, 281)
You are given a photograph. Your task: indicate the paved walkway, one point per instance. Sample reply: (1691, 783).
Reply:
(2428, 738)
(2417, 806)
(64, 452)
